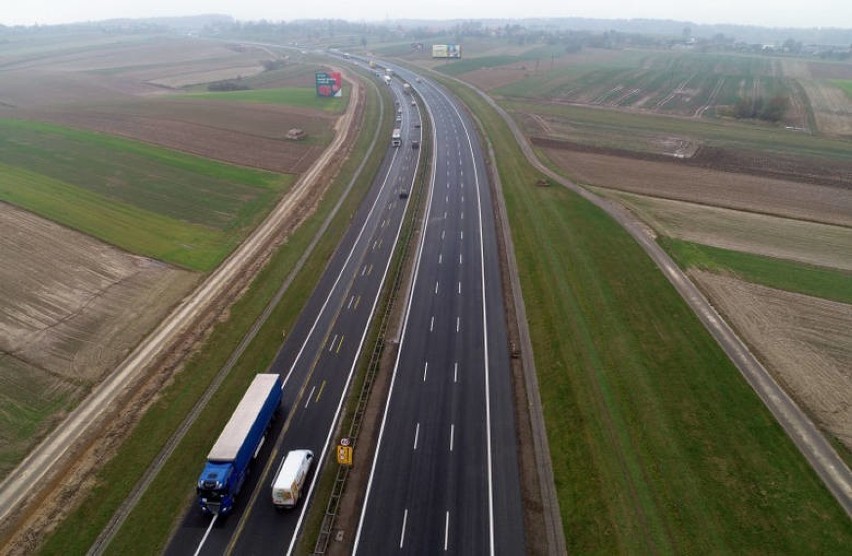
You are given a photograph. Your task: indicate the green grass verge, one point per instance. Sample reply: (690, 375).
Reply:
(786, 275)
(291, 96)
(845, 85)
(147, 530)
(658, 444)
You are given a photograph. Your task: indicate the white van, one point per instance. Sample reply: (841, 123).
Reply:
(287, 487)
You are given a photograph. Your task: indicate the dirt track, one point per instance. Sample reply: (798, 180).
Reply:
(59, 469)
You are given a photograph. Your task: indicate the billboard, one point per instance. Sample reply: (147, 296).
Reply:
(329, 84)
(446, 51)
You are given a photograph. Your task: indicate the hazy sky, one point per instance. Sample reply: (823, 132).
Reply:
(768, 13)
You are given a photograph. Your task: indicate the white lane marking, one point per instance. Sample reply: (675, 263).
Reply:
(311, 395)
(445, 215)
(402, 534)
(364, 270)
(425, 370)
(331, 343)
(462, 215)
(460, 258)
(452, 435)
(458, 323)
(436, 288)
(432, 324)
(440, 258)
(447, 199)
(456, 371)
(351, 299)
(442, 234)
(446, 530)
(204, 538)
(459, 287)
(416, 435)
(462, 235)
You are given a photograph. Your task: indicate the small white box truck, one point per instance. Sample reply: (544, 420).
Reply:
(287, 487)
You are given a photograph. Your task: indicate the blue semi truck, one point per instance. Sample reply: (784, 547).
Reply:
(240, 441)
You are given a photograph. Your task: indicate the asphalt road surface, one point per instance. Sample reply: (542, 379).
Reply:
(317, 361)
(445, 473)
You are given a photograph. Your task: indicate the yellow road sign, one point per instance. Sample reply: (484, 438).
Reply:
(344, 455)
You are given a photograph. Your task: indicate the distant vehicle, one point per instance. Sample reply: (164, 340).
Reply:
(417, 79)
(396, 138)
(415, 144)
(417, 125)
(403, 194)
(238, 445)
(406, 88)
(287, 487)
(413, 103)
(387, 79)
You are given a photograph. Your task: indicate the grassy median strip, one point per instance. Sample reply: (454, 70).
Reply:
(148, 527)
(658, 444)
(792, 276)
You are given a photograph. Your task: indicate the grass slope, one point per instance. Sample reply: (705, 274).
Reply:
(845, 85)
(791, 276)
(658, 444)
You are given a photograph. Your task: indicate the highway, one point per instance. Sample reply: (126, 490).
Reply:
(317, 362)
(445, 473)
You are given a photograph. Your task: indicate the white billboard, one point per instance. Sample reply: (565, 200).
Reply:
(446, 51)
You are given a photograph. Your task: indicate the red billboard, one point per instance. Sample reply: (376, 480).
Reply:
(329, 84)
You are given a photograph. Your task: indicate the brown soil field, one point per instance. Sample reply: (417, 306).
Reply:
(831, 106)
(678, 181)
(117, 71)
(488, 79)
(784, 238)
(804, 342)
(830, 70)
(242, 133)
(72, 307)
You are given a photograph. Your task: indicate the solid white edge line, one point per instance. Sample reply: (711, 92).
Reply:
(402, 533)
(206, 534)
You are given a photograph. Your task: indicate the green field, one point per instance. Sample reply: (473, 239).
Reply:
(681, 83)
(846, 85)
(791, 276)
(291, 96)
(657, 442)
(148, 200)
(469, 63)
(29, 397)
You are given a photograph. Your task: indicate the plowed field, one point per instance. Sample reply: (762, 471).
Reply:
(804, 341)
(72, 309)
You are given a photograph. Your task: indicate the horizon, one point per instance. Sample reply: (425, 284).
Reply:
(781, 14)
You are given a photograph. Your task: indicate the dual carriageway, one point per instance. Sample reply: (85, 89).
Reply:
(444, 478)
